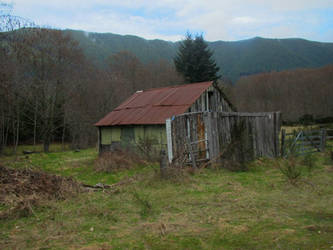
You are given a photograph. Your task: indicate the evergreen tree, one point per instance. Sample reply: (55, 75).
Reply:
(194, 60)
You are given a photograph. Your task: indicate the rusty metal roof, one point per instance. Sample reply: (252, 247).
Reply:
(154, 106)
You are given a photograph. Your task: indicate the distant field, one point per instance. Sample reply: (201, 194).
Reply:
(211, 209)
(290, 129)
(55, 147)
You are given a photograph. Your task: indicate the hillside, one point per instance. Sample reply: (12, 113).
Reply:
(235, 59)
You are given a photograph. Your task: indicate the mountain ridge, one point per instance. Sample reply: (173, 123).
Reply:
(235, 58)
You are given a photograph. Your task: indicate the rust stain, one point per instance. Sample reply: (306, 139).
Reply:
(154, 106)
(201, 136)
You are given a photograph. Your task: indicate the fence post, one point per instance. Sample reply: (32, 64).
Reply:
(283, 137)
(323, 140)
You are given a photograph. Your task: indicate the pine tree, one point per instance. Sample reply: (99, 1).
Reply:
(194, 60)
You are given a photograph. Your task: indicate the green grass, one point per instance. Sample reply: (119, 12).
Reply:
(55, 147)
(68, 163)
(212, 209)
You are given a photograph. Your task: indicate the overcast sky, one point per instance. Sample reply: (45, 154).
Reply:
(170, 19)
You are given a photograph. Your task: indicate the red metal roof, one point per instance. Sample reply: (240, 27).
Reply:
(154, 106)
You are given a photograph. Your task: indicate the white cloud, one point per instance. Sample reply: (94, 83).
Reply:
(244, 20)
(169, 19)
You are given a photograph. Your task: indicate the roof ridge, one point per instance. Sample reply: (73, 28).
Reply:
(175, 86)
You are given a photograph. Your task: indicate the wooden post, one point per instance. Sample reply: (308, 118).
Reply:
(194, 165)
(323, 140)
(283, 137)
(168, 129)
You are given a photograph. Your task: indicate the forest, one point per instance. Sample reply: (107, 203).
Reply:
(51, 91)
(302, 95)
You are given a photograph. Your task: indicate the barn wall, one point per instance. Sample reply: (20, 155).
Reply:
(109, 134)
(211, 100)
(241, 136)
(132, 136)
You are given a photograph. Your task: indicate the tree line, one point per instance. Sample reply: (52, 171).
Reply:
(301, 95)
(50, 92)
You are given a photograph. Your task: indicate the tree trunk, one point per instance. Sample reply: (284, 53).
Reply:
(35, 122)
(63, 135)
(17, 133)
(14, 136)
(2, 132)
(46, 144)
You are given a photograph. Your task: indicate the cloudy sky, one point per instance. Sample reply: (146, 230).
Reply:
(170, 19)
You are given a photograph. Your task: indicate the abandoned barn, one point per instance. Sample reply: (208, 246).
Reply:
(141, 118)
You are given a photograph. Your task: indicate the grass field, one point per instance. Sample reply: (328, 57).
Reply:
(210, 209)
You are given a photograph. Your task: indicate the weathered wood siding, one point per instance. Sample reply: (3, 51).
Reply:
(211, 100)
(256, 133)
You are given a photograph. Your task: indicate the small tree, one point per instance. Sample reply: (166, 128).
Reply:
(194, 60)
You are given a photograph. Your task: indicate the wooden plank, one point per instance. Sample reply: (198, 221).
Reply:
(303, 142)
(195, 142)
(169, 139)
(313, 143)
(189, 147)
(305, 137)
(312, 131)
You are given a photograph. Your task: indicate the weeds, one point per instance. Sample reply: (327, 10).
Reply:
(109, 162)
(328, 160)
(144, 203)
(146, 148)
(211, 210)
(310, 161)
(290, 169)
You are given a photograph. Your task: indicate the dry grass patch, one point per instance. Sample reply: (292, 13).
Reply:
(23, 189)
(109, 162)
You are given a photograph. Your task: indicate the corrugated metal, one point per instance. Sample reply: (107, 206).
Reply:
(155, 105)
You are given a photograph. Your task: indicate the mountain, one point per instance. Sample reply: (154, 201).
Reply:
(235, 59)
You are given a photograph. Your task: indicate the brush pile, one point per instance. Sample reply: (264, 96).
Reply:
(23, 189)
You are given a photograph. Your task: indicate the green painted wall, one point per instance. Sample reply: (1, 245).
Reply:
(109, 134)
(124, 135)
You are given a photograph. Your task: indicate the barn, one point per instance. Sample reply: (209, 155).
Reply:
(141, 118)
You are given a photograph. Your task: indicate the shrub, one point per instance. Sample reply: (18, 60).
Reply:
(291, 169)
(146, 148)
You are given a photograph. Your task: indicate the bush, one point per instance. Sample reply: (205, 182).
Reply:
(291, 169)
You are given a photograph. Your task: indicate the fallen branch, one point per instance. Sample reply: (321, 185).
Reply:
(101, 186)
